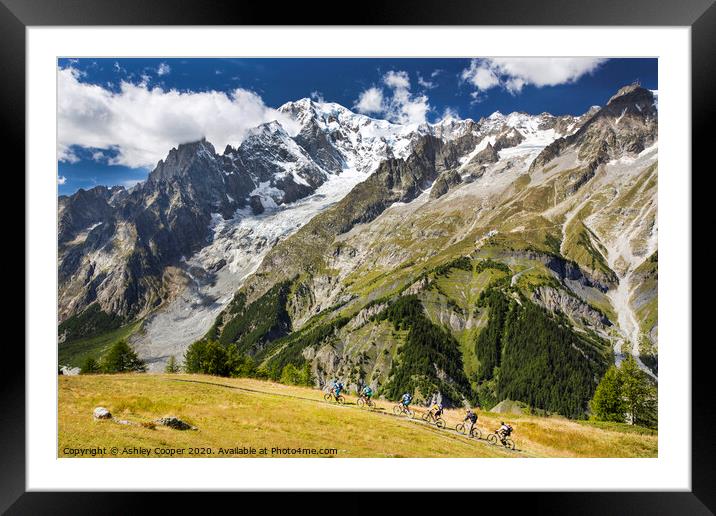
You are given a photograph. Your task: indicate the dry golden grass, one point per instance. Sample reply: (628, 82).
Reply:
(556, 436)
(239, 412)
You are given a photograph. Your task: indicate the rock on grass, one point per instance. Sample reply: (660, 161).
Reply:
(175, 423)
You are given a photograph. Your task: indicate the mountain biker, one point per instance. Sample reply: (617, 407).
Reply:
(436, 410)
(471, 417)
(331, 385)
(337, 388)
(367, 392)
(406, 399)
(504, 431)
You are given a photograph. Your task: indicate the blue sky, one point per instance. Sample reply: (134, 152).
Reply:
(117, 117)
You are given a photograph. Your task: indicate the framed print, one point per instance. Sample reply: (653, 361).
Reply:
(427, 243)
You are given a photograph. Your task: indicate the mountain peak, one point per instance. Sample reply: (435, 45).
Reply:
(631, 93)
(296, 108)
(181, 157)
(267, 131)
(192, 147)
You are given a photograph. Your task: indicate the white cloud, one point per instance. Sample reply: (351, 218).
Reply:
(61, 180)
(142, 124)
(513, 74)
(428, 85)
(400, 106)
(370, 101)
(477, 97)
(449, 115)
(399, 80)
(163, 69)
(480, 75)
(403, 106)
(66, 154)
(98, 156)
(406, 109)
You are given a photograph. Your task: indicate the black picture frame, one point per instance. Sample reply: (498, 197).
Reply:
(700, 15)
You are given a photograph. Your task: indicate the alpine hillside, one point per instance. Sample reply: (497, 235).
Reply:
(509, 258)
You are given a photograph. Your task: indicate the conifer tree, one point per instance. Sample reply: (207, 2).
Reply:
(626, 394)
(172, 366)
(121, 358)
(639, 393)
(608, 403)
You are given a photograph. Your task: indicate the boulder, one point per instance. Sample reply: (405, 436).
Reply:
(101, 413)
(175, 423)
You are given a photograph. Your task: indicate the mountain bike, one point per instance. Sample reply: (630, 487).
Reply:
(506, 442)
(365, 402)
(339, 399)
(474, 432)
(400, 409)
(429, 417)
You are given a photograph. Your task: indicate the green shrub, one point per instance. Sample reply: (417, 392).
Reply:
(291, 375)
(90, 366)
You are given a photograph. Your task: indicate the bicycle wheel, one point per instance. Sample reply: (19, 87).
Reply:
(341, 400)
(440, 423)
(372, 404)
(426, 416)
(460, 428)
(397, 410)
(476, 434)
(510, 444)
(360, 402)
(492, 439)
(327, 397)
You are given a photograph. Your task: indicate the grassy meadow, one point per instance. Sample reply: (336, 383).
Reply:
(238, 412)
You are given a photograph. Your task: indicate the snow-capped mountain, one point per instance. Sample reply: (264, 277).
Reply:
(339, 196)
(172, 215)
